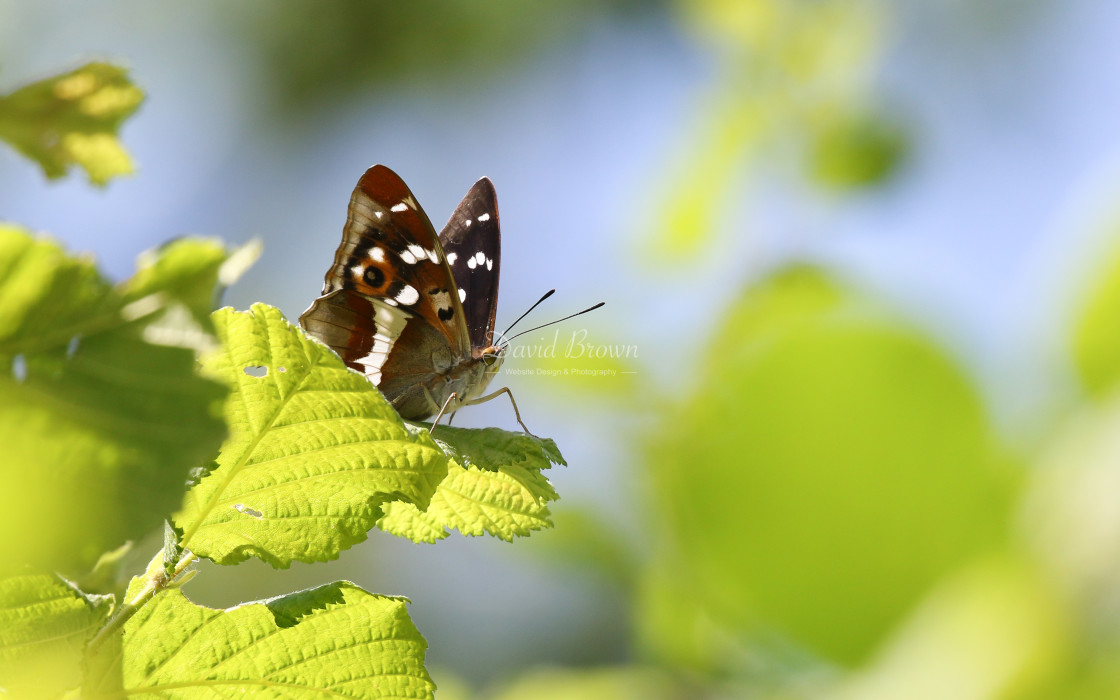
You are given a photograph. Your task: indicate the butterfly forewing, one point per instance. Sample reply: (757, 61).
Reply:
(390, 270)
(472, 243)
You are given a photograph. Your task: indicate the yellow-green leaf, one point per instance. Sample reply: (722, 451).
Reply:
(73, 119)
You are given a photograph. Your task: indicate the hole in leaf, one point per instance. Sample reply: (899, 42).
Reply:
(256, 371)
(281, 369)
(19, 368)
(72, 346)
(252, 512)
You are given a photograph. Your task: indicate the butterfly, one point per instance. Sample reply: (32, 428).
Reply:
(411, 311)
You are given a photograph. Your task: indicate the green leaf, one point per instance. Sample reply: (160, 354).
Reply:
(997, 629)
(1070, 517)
(585, 539)
(72, 119)
(732, 131)
(856, 151)
(332, 641)
(314, 450)
(102, 411)
(618, 683)
(1096, 337)
(494, 485)
(45, 624)
(185, 269)
(830, 468)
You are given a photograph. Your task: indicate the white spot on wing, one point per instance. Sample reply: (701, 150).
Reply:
(442, 300)
(471, 263)
(462, 295)
(433, 256)
(408, 296)
(483, 217)
(417, 251)
(408, 257)
(489, 264)
(377, 254)
(451, 258)
(399, 207)
(390, 324)
(467, 222)
(377, 214)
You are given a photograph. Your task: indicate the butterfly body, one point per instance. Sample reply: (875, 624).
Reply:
(411, 310)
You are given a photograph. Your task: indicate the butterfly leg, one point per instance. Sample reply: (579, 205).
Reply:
(504, 390)
(442, 410)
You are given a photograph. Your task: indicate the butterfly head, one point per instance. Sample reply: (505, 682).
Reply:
(492, 357)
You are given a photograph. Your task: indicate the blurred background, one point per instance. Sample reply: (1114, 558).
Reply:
(860, 256)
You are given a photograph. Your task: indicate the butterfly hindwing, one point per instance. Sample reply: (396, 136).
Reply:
(472, 242)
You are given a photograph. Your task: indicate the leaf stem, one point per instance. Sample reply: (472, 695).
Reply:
(156, 582)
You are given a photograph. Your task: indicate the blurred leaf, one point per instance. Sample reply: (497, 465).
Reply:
(72, 119)
(494, 485)
(791, 76)
(45, 624)
(108, 570)
(1096, 335)
(101, 409)
(351, 47)
(825, 48)
(1070, 512)
(314, 450)
(335, 640)
(622, 683)
(672, 626)
(993, 631)
(731, 132)
(854, 152)
(582, 538)
(186, 269)
(830, 468)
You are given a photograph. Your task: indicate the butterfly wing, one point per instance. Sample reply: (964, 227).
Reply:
(472, 243)
(389, 274)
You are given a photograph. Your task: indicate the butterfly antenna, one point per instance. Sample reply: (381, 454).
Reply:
(543, 325)
(546, 295)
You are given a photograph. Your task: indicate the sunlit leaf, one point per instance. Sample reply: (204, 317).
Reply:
(494, 485)
(44, 626)
(332, 641)
(314, 450)
(102, 411)
(73, 119)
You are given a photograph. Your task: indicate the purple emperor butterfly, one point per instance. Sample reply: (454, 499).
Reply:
(412, 311)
